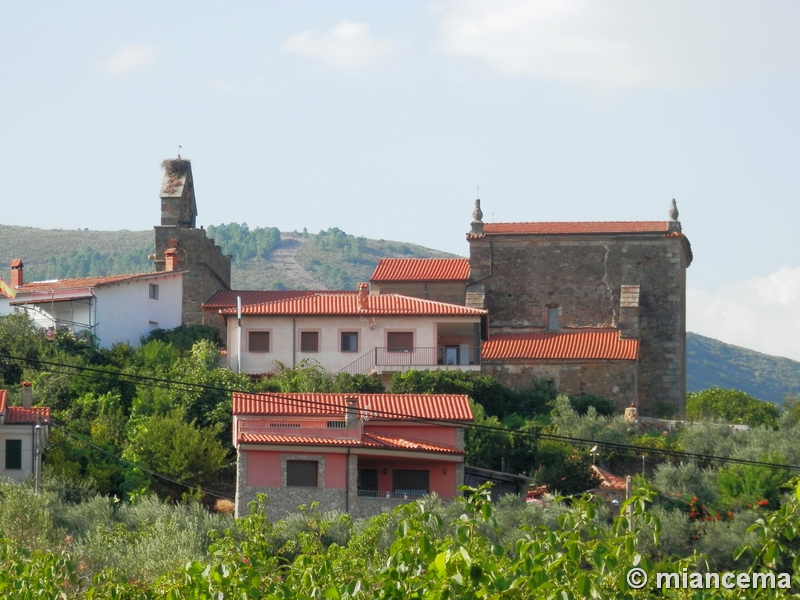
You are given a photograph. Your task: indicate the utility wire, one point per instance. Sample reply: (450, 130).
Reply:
(158, 382)
(110, 454)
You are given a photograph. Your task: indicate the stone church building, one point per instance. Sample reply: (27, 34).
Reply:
(596, 307)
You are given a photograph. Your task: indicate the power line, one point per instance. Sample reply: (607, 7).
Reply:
(185, 484)
(169, 383)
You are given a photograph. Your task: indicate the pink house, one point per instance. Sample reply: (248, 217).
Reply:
(359, 453)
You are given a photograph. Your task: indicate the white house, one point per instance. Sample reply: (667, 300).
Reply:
(350, 331)
(115, 308)
(22, 429)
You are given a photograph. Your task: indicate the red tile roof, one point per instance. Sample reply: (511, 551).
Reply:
(227, 299)
(609, 481)
(448, 407)
(347, 303)
(421, 269)
(16, 415)
(577, 227)
(368, 440)
(86, 282)
(583, 345)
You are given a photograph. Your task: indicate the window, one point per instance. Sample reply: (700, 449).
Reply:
(349, 341)
(301, 473)
(309, 341)
(400, 341)
(152, 324)
(13, 455)
(154, 291)
(258, 341)
(552, 318)
(410, 481)
(369, 480)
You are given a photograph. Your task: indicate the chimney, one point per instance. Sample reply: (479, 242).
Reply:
(351, 413)
(16, 273)
(171, 256)
(27, 397)
(363, 296)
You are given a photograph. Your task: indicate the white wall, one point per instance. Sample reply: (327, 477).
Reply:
(125, 311)
(330, 327)
(17, 432)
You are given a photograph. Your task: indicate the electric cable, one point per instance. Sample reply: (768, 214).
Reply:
(158, 382)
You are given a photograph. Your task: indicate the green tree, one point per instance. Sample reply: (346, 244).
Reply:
(169, 445)
(731, 406)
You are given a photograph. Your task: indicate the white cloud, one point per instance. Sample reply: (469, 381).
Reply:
(613, 45)
(762, 313)
(349, 46)
(129, 58)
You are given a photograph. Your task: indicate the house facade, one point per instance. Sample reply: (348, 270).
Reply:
(22, 430)
(356, 332)
(358, 453)
(115, 308)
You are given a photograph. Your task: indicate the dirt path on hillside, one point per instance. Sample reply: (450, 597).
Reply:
(284, 262)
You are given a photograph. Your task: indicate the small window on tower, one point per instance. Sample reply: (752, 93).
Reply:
(552, 318)
(154, 291)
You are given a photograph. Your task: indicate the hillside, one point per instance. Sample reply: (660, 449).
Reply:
(711, 363)
(263, 257)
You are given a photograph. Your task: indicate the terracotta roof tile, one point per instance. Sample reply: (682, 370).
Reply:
(401, 443)
(19, 415)
(583, 345)
(368, 440)
(87, 282)
(346, 303)
(421, 269)
(608, 480)
(577, 227)
(449, 407)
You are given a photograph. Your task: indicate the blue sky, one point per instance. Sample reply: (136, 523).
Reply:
(383, 119)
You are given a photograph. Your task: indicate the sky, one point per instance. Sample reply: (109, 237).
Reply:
(384, 119)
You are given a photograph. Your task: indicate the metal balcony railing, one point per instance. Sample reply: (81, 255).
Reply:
(454, 356)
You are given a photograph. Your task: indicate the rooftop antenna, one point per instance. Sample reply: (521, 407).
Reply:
(479, 192)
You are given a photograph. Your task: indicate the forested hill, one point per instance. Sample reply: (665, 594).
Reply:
(711, 363)
(263, 257)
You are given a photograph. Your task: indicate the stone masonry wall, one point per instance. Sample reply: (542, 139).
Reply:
(583, 276)
(615, 380)
(453, 293)
(209, 270)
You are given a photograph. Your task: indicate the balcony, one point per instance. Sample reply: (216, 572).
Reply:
(390, 360)
(321, 428)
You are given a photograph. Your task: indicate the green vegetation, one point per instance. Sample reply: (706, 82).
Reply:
(731, 406)
(468, 549)
(243, 243)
